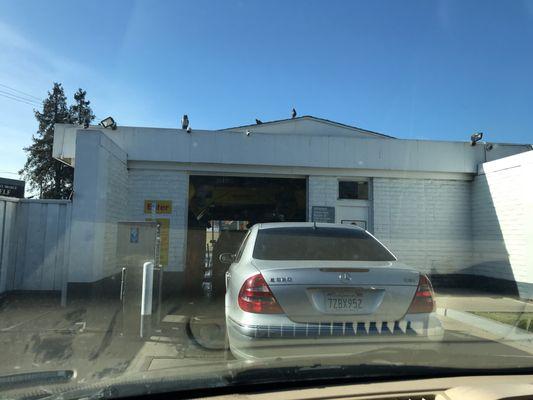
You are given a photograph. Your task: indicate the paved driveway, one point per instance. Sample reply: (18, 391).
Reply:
(463, 345)
(36, 334)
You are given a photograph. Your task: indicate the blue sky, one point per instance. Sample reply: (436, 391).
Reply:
(412, 69)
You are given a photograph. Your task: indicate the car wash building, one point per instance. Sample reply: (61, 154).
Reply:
(457, 211)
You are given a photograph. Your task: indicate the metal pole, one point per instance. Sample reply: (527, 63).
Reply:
(146, 299)
(160, 297)
(159, 268)
(3, 237)
(66, 254)
(122, 284)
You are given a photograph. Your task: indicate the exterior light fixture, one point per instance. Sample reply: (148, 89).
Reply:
(109, 122)
(476, 137)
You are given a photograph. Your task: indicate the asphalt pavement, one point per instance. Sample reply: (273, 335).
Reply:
(463, 345)
(36, 334)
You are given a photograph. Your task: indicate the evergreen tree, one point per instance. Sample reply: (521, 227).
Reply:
(51, 178)
(80, 112)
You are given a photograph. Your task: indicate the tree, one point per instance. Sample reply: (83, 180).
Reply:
(80, 112)
(50, 177)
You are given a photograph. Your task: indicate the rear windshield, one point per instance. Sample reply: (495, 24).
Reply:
(335, 244)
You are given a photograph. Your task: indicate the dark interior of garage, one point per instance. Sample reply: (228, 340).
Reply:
(221, 209)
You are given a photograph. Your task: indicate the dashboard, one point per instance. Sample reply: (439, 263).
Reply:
(457, 388)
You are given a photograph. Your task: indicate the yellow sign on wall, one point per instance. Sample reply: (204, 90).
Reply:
(164, 224)
(161, 206)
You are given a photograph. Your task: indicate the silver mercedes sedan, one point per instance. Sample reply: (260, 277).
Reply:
(296, 289)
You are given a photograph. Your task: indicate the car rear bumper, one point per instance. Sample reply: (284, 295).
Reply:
(295, 340)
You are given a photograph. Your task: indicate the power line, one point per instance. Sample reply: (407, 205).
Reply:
(21, 99)
(17, 96)
(18, 99)
(21, 92)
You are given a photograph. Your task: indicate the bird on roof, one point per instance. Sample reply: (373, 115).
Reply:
(293, 114)
(184, 121)
(258, 121)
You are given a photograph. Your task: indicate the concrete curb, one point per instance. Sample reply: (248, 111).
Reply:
(506, 334)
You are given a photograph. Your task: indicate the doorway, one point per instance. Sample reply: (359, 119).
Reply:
(223, 208)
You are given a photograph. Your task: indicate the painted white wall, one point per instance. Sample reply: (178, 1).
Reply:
(114, 180)
(502, 215)
(321, 191)
(99, 201)
(426, 223)
(162, 185)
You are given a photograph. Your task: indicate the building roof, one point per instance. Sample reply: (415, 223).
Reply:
(310, 118)
(292, 147)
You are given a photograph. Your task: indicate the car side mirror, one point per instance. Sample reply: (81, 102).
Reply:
(226, 258)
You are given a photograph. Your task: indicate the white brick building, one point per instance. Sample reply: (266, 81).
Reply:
(447, 208)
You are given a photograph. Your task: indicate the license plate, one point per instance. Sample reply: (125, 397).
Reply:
(344, 302)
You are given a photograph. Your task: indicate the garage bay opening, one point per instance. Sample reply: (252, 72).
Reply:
(221, 209)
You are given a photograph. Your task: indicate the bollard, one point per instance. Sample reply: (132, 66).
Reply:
(146, 299)
(122, 284)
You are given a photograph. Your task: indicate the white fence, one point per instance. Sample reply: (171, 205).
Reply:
(34, 244)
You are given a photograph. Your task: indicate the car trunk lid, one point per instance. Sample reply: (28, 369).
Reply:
(339, 291)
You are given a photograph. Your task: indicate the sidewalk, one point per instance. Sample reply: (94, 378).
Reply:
(482, 302)
(456, 314)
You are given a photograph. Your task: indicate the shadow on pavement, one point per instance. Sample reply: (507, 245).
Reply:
(37, 334)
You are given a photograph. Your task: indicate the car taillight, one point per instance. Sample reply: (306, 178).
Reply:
(256, 297)
(423, 301)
